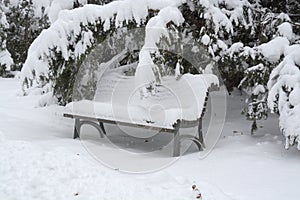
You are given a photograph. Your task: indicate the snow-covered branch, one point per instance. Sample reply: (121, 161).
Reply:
(284, 94)
(73, 33)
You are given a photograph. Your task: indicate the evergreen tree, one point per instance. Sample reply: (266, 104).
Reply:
(293, 10)
(269, 16)
(24, 27)
(247, 39)
(5, 57)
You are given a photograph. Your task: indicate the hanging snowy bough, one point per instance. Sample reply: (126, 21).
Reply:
(284, 95)
(60, 49)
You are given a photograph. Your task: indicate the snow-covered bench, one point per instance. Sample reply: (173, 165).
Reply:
(176, 104)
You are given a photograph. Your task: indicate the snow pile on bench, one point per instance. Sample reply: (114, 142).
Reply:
(156, 28)
(118, 99)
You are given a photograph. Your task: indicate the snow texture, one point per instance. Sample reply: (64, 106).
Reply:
(178, 70)
(59, 5)
(205, 39)
(235, 48)
(31, 173)
(259, 89)
(256, 67)
(286, 30)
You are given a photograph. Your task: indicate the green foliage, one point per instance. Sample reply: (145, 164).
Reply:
(24, 27)
(4, 54)
(2, 44)
(258, 26)
(64, 74)
(99, 2)
(256, 80)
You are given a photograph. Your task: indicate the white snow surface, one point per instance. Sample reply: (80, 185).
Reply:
(39, 160)
(258, 89)
(205, 39)
(177, 70)
(3, 20)
(58, 5)
(256, 67)
(31, 172)
(235, 48)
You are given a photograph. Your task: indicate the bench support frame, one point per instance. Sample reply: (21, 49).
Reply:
(99, 125)
(79, 123)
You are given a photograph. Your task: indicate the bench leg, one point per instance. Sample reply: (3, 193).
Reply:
(176, 144)
(79, 123)
(199, 140)
(200, 134)
(77, 129)
(176, 147)
(102, 127)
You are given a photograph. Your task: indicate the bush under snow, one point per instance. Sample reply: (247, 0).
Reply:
(284, 94)
(5, 57)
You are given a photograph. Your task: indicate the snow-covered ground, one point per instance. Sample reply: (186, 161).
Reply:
(40, 160)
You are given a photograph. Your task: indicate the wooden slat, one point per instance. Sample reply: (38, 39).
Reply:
(136, 125)
(189, 124)
(183, 123)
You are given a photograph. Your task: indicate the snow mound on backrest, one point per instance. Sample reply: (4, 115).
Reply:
(156, 28)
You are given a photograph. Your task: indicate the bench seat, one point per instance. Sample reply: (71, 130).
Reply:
(176, 104)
